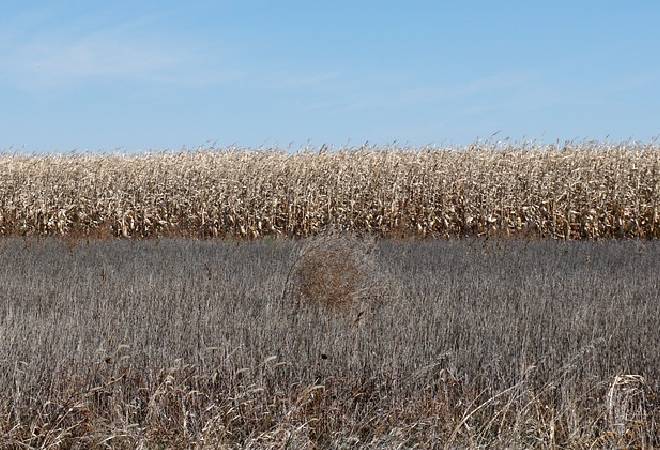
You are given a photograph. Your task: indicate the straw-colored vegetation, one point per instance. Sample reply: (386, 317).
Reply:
(340, 340)
(582, 191)
(190, 344)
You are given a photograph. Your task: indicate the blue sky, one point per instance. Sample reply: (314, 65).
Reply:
(91, 75)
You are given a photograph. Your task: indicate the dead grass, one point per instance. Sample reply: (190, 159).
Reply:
(190, 344)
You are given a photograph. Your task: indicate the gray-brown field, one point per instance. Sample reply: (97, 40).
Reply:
(276, 344)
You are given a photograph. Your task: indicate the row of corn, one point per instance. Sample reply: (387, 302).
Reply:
(581, 192)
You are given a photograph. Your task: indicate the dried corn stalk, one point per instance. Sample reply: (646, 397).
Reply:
(589, 191)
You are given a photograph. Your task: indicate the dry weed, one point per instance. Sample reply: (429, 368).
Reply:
(339, 273)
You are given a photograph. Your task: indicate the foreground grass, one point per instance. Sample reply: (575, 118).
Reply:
(201, 344)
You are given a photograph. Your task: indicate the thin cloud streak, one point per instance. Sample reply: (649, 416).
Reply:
(57, 58)
(422, 94)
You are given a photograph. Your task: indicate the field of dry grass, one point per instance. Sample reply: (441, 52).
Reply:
(274, 344)
(340, 339)
(579, 191)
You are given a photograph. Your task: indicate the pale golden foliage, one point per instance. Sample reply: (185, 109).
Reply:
(586, 192)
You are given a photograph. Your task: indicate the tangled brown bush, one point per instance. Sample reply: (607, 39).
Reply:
(339, 272)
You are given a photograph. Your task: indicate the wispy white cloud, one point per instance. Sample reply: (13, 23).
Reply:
(56, 57)
(403, 96)
(92, 56)
(301, 79)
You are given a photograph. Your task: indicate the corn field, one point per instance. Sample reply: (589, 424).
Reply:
(586, 191)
